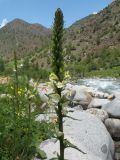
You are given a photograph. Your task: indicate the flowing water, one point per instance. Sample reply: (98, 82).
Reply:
(105, 85)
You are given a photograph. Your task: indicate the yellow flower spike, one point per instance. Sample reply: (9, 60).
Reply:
(60, 85)
(53, 77)
(19, 92)
(21, 89)
(67, 76)
(31, 96)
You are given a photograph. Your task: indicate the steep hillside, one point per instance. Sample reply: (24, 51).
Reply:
(95, 31)
(90, 44)
(23, 37)
(93, 43)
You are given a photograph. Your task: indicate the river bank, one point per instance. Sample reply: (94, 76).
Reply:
(99, 98)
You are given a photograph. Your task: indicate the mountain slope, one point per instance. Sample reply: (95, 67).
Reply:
(92, 43)
(22, 36)
(95, 31)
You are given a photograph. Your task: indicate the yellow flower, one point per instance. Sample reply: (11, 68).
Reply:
(11, 87)
(67, 75)
(19, 92)
(53, 77)
(60, 85)
(31, 96)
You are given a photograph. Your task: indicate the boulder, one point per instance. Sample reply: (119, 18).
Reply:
(44, 98)
(113, 126)
(99, 94)
(68, 86)
(99, 113)
(79, 107)
(98, 103)
(44, 90)
(117, 94)
(72, 109)
(51, 146)
(80, 96)
(86, 132)
(113, 108)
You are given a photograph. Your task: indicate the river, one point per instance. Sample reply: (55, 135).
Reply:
(105, 85)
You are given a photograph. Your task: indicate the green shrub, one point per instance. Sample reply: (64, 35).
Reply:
(20, 133)
(2, 65)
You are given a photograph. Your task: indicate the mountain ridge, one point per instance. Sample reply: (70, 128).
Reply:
(86, 42)
(28, 37)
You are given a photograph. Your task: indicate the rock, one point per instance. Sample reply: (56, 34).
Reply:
(68, 86)
(44, 91)
(43, 106)
(72, 94)
(42, 117)
(117, 94)
(69, 109)
(5, 96)
(80, 96)
(113, 126)
(99, 94)
(44, 98)
(4, 80)
(113, 108)
(98, 103)
(111, 97)
(78, 107)
(88, 133)
(51, 117)
(99, 113)
(72, 109)
(52, 147)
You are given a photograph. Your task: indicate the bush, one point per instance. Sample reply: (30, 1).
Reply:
(2, 65)
(20, 133)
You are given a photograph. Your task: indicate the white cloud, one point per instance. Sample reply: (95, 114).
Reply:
(94, 13)
(4, 22)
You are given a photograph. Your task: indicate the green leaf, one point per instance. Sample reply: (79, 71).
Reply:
(59, 134)
(53, 77)
(41, 154)
(69, 144)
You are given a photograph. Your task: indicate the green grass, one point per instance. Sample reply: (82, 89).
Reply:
(114, 73)
(20, 133)
(4, 88)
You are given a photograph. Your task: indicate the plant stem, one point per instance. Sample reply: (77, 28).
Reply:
(61, 139)
(16, 80)
(16, 105)
(58, 69)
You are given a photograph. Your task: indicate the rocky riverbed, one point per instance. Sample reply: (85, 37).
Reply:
(96, 130)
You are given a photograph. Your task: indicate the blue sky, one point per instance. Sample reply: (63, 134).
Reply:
(42, 11)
